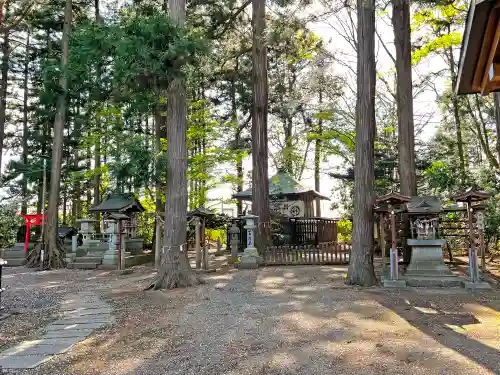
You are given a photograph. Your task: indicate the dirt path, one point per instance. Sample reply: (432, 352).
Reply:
(295, 320)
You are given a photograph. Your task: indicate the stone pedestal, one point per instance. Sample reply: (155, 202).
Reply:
(427, 267)
(250, 257)
(234, 234)
(427, 259)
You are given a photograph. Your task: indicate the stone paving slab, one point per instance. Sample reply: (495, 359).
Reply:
(81, 333)
(56, 348)
(23, 362)
(73, 326)
(86, 319)
(87, 311)
(82, 315)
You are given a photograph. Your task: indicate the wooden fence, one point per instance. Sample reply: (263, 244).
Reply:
(325, 253)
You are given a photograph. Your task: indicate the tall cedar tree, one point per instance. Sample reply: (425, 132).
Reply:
(406, 132)
(55, 259)
(175, 270)
(361, 263)
(260, 182)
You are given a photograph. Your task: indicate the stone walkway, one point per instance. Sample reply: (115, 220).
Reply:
(82, 313)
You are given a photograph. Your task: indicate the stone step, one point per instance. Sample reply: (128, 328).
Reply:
(439, 282)
(83, 266)
(88, 259)
(11, 254)
(15, 262)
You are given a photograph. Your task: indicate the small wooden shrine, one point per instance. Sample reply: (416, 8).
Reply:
(479, 64)
(121, 208)
(287, 196)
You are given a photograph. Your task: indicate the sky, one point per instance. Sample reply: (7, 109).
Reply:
(425, 103)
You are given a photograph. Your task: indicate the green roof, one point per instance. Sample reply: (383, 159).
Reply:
(119, 203)
(281, 184)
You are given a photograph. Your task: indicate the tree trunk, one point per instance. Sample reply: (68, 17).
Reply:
(496, 100)
(361, 263)
(237, 140)
(317, 156)
(97, 144)
(406, 132)
(456, 115)
(3, 85)
(24, 184)
(175, 270)
(260, 182)
(54, 249)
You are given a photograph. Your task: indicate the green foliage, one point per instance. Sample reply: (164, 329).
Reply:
(344, 228)
(444, 41)
(440, 177)
(10, 222)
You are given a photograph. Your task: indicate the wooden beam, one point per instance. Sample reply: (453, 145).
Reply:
(487, 39)
(485, 89)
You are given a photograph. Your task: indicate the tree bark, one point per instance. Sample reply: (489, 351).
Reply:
(361, 270)
(175, 270)
(24, 184)
(237, 140)
(496, 100)
(55, 251)
(3, 84)
(260, 182)
(456, 115)
(317, 155)
(406, 139)
(97, 144)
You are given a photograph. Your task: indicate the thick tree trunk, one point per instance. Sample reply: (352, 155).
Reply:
(97, 145)
(54, 249)
(175, 270)
(3, 85)
(406, 140)
(361, 263)
(260, 182)
(496, 100)
(24, 183)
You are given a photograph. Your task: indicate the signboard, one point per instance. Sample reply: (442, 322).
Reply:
(480, 220)
(250, 238)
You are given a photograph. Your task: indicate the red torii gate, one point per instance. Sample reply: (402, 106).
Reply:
(31, 220)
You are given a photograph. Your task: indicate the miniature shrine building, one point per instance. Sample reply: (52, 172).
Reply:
(287, 196)
(479, 64)
(121, 208)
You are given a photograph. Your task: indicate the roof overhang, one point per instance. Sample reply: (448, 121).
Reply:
(479, 64)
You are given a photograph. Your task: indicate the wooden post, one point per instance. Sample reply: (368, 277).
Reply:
(158, 242)
(480, 227)
(382, 238)
(197, 229)
(205, 249)
(473, 254)
(394, 246)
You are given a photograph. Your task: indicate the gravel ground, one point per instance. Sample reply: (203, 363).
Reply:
(285, 320)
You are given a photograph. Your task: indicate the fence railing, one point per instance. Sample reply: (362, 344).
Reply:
(325, 253)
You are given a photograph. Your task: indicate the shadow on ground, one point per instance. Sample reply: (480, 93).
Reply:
(291, 320)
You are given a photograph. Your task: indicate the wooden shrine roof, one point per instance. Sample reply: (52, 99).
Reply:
(282, 184)
(125, 203)
(479, 63)
(473, 195)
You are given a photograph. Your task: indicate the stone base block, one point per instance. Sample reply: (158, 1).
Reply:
(440, 282)
(248, 262)
(481, 285)
(394, 283)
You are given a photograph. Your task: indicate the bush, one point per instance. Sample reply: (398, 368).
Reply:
(10, 221)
